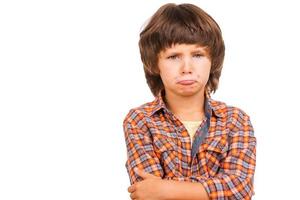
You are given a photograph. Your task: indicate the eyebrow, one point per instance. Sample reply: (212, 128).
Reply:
(202, 51)
(199, 51)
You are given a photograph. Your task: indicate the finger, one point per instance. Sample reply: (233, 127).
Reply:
(131, 188)
(133, 196)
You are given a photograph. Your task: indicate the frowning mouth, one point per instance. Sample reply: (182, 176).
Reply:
(186, 82)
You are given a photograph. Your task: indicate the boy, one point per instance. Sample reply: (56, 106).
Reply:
(184, 144)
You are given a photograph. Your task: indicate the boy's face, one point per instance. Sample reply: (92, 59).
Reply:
(184, 69)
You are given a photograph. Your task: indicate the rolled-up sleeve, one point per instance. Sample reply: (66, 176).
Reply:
(140, 151)
(235, 178)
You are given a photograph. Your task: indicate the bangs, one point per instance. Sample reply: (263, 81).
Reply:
(177, 33)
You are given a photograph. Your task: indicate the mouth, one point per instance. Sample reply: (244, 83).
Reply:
(186, 82)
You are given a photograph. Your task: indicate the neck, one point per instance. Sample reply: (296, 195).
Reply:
(189, 108)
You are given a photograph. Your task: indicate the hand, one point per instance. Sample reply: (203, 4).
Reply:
(150, 188)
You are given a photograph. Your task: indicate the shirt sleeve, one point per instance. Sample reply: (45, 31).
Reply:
(140, 152)
(235, 177)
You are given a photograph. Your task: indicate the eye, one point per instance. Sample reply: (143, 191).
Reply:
(198, 55)
(173, 57)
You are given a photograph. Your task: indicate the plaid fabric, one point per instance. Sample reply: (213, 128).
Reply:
(221, 157)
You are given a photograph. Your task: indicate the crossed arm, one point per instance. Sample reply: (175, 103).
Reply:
(234, 180)
(155, 188)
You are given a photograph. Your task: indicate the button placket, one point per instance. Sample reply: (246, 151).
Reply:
(182, 135)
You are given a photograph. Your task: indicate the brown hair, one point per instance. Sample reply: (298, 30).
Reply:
(178, 24)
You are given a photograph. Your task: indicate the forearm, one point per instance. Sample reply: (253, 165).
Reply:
(181, 190)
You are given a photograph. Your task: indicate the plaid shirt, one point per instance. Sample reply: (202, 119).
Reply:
(221, 157)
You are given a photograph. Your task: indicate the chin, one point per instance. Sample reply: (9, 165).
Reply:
(188, 92)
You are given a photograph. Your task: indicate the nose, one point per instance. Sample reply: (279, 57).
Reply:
(186, 67)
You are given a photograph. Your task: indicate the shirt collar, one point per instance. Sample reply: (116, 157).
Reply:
(211, 106)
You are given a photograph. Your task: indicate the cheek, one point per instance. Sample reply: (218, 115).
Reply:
(164, 77)
(203, 76)
(167, 75)
(205, 71)
(168, 80)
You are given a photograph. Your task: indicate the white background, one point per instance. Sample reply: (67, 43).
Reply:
(70, 71)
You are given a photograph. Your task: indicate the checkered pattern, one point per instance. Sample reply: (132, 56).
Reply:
(221, 158)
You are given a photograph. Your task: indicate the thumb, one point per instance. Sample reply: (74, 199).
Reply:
(143, 174)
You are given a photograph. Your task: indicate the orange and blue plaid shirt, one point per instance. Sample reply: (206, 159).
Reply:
(222, 156)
